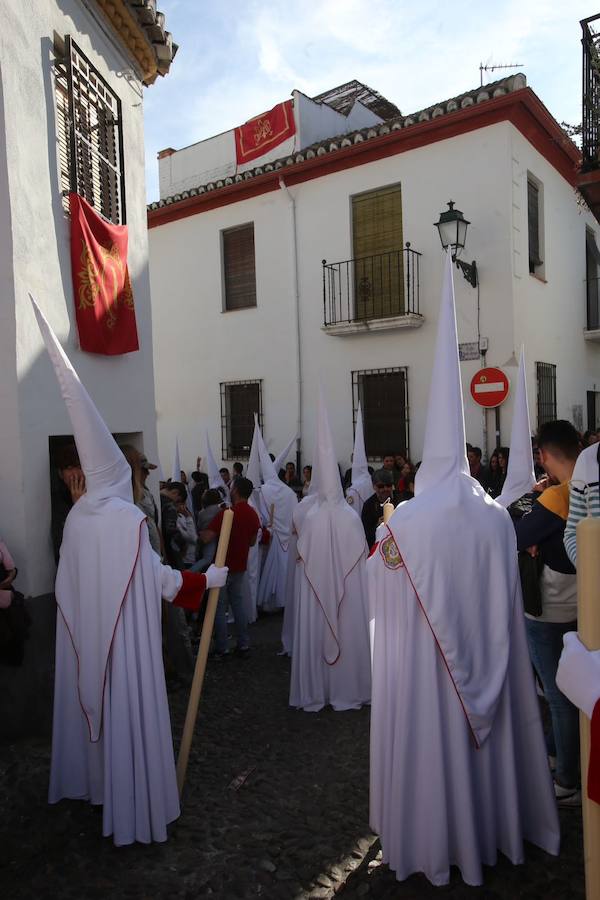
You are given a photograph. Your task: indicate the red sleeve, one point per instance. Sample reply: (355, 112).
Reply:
(191, 592)
(593, 780)
(216, 523)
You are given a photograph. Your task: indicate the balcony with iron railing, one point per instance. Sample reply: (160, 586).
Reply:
(372, 293)
(588, 178)
(592, 329)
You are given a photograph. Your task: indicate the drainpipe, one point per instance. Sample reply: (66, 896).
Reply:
(296, 292)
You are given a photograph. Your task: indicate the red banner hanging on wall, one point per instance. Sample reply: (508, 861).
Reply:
(101, 287)
(260, 134)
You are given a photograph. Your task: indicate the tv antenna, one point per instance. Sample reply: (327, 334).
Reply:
(494, 66)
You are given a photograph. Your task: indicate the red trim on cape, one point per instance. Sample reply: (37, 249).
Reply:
(87, 719)
(464, 709)
(339, 606)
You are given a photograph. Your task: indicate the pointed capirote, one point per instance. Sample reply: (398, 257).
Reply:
(215, 479)
(267, 466)
(444, 449)
(520, 474)
(283, 457)
(107, 472)
(176, 473)
(325, 466)
(361, 479)
(253, 467)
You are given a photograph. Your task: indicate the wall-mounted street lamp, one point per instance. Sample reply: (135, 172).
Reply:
(452, 228)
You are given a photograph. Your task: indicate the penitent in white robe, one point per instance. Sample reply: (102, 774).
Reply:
(130, 768)
(436, 800)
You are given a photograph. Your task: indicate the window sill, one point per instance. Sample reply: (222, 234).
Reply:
(240, 308)
(389, 323)
(538, 278)
(592, 334)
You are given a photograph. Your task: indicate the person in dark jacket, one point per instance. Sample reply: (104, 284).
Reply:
(372, 512)
(70, 487)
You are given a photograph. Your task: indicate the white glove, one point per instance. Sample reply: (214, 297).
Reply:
(215, 576)
(578, 674)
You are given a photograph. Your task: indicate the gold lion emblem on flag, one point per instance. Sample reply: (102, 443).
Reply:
(390, 553)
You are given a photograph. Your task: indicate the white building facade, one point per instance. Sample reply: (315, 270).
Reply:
(92, 57)
(248, 315)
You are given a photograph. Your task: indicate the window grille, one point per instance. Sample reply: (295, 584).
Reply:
(239, 401)
(239, 267)
(593, 410)
(546, 392)
(592, 261)
(383, 396)
(90, 135)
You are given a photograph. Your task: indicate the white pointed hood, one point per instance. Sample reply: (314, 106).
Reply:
(331, 538)
(253, 473)
(276, 495)
(361, 487)
(444, 449)
(520, 475)
(215, 479)
(456, 545)
(281, 460)
(107, 472)
(101, 538)
(176, 472)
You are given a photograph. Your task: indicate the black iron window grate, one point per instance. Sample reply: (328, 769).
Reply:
(239, 401)
(546, 392)
(383, 396)
(90, 135)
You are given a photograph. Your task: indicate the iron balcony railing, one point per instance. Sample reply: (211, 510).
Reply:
(371, 287)
(590, 123)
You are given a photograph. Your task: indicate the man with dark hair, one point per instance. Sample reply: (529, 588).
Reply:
(225, 475)
(541, 532)
(71, 487)
(243, 536)
(478, 471)
(238, 470)
(383, 484)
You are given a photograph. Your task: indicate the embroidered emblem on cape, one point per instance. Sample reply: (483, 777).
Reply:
(390, 553)
(350, 500)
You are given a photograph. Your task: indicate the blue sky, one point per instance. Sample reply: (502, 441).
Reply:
(239, 57)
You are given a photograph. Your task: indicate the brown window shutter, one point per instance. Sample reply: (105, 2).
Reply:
(239, 267)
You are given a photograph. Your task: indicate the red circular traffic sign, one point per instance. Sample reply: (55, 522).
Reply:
(489, 387)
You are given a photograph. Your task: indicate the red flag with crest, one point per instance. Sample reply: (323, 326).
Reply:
(102, 290)
(262, 133)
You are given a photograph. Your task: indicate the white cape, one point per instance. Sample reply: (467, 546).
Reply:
(130, 768)
(436, 798)
(272, 585)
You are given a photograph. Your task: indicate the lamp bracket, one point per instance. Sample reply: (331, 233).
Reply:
(469, 270)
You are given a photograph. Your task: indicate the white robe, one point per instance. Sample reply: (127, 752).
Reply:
(130, 769)
(435, 799)
(330, 654)
(273, 580)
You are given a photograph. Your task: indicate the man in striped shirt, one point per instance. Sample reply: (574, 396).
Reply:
(584, 496)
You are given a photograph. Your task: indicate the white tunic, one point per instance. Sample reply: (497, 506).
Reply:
(272, 585)
(130, 769)
(436, 800)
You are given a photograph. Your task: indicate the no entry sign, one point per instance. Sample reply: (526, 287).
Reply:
(489, 387)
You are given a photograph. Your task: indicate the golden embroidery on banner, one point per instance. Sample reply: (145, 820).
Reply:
(93, 281)
(262, 131)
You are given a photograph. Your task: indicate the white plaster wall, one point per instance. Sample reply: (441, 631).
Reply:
(121, 386)
(186, 288)
(214, 158)
(550, 315)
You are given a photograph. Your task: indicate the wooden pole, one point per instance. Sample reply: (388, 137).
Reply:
(200, 668)
(388, 509)
(588, 625)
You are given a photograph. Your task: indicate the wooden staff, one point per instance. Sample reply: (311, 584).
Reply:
(200, 668)
(588, 624)
(388, 509)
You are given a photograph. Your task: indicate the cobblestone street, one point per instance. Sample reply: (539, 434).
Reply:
(275, 806)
